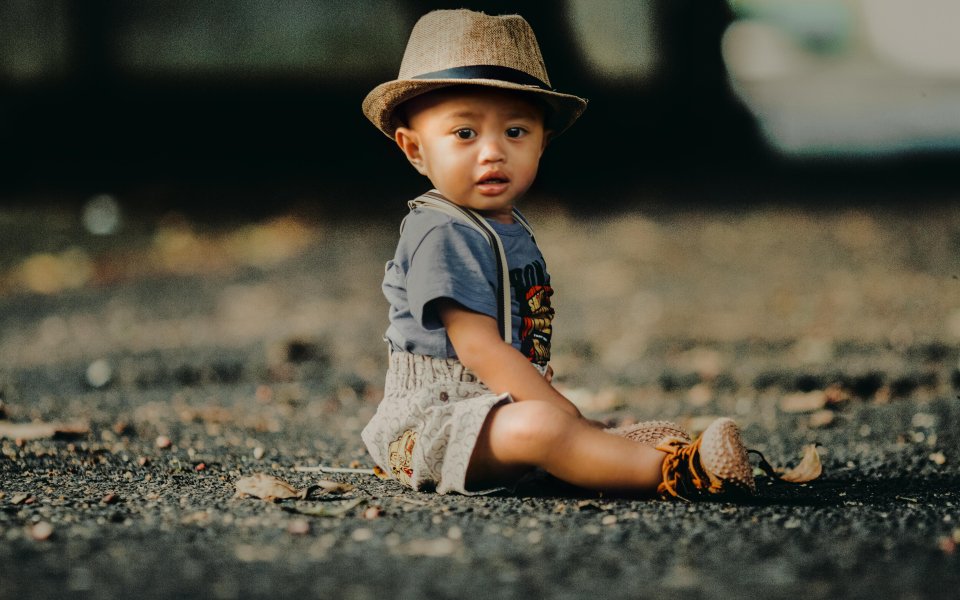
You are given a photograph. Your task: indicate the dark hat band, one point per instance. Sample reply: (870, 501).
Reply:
(497, 72)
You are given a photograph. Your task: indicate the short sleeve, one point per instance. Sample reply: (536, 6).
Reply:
(452, 261)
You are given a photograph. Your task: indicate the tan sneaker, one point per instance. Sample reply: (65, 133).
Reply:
(715, 464)
(651, 433)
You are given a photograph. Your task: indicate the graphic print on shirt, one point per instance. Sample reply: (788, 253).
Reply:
(531, 285)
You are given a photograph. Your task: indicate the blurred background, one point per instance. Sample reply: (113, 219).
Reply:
(183, 174)
(255, 105)
(192, 204)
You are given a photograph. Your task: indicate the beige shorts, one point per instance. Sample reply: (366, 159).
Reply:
(427, 424)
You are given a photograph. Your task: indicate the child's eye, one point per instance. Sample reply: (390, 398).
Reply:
(466, 134)
(515, 132)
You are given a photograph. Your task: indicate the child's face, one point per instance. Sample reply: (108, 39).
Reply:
(480, 147)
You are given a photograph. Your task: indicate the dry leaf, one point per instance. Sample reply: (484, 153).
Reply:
(270, 488)
(33, 431)
(803, 402)
(808, 469)
(333, 487)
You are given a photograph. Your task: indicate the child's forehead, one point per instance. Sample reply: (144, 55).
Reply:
(478, 101)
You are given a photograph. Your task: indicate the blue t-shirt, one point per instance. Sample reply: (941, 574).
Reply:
(439, 256)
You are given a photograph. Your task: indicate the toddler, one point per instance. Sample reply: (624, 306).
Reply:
(468, 403)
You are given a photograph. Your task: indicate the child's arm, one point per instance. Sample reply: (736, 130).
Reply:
(476, 338)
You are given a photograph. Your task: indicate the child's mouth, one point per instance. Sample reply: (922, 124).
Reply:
(492, 186)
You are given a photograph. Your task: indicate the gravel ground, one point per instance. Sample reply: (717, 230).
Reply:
(175, 357)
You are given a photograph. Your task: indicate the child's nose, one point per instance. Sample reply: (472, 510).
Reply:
(491, 150)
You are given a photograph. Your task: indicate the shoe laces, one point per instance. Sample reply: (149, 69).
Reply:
(683, 471)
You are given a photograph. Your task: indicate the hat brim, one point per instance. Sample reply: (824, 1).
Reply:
(381, 103)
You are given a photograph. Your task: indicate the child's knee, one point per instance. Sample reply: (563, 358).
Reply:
(530, 425)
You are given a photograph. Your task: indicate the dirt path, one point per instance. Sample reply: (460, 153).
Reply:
(191, 356)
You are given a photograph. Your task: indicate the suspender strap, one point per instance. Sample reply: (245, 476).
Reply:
(435, 201)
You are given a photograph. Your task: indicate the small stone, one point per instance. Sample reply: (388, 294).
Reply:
(372, 512)
(938, 458)
(163, 442)
(41, 531)
(361, 535)
(947, 545)
(822, 418)
(200, 467)
(298, 527)
(258, 452)
(264, 393)
(455, 533)
(18, 499)
(110, 498)
(143, 461)
(608, 520)
(99, 373)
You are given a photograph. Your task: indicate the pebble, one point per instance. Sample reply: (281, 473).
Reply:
(99, 373)
(258, 452)
(608, 520)
(361, 534)
(163, 442)
(41, 531)
(298, 527)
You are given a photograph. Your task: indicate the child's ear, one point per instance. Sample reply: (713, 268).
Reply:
(409, 143)
(547, 136)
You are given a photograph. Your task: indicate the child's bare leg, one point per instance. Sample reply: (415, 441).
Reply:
(531, 433)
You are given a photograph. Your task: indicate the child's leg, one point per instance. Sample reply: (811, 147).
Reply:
(526, 434)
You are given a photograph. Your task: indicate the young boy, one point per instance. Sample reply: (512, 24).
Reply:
(468, 403)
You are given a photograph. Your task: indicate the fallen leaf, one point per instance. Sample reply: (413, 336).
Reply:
(33, 431)
(333, 487)
(803, 402)
(809, 468)
(269, 488)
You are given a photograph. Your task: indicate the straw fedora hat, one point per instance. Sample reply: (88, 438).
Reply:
(463, 47)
